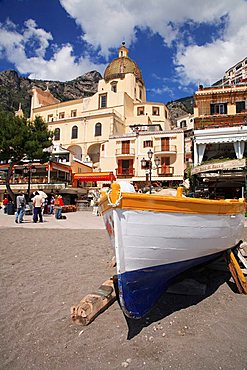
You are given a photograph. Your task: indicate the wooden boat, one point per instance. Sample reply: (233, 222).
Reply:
(158, 237)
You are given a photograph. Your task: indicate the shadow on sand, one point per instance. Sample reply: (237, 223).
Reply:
(210, 276)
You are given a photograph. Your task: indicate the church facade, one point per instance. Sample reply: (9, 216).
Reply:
(114, 129)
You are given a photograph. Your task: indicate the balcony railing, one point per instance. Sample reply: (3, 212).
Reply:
(220, 120)
(125, 172)
(166, 171)
(165, 149)
(125, 151)
(37, 180)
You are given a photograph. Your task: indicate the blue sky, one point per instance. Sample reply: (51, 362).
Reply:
(177, 44)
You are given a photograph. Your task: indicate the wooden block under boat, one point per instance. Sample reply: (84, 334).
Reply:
(94, 303)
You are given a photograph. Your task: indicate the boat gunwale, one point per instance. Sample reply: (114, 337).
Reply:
(174, 204)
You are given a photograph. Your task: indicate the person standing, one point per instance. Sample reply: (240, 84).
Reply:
(51, 205)
(5, 204)
(37, 207)
(58, 207)
(20, 208)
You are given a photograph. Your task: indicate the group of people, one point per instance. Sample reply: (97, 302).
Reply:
(38, 201)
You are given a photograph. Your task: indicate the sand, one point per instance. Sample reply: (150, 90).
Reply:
(45, 270)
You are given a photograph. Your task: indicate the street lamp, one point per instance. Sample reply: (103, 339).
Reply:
(147, 163)
(50, 151)
(29, 169)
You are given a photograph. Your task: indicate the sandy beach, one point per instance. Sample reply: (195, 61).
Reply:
(48, 267)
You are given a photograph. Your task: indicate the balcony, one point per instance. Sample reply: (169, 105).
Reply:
(166, 171)
(220, 120)
(125, 172)
(170, 149)
(126, 152)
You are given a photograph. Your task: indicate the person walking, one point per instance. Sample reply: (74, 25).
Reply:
(37, 207)
(20, 208)
(5, 204)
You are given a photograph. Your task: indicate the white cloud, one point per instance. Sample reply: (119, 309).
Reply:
(16, 46)
(206, 64)
(105, 23)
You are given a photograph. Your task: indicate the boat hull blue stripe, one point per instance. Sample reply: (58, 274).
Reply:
(139, 290)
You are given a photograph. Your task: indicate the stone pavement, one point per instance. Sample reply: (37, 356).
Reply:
(74, 220)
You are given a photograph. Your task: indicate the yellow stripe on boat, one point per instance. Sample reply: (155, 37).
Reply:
(177, 204)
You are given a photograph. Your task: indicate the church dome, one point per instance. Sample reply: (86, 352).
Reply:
(122, 65)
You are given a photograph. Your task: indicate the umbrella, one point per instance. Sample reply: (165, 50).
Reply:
(42, 193)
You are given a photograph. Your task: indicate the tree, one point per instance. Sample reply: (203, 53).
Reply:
(21, 139)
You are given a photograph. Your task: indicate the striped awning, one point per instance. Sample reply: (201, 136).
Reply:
(94, 176)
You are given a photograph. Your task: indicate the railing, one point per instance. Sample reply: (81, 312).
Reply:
(166, 171)
(40, 180)
(125, 151)
(166, 149)
(125, 172)
(221, 120)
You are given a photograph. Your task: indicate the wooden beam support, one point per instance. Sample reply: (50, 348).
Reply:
(94, 303)
(237, 273)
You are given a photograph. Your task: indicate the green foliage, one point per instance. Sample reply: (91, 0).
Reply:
(217, 160)
(21, 139)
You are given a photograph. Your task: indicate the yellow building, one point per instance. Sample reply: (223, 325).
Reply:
(116, 127)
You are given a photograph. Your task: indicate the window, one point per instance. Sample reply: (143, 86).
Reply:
(240, 106)
(166, 114)
(147, 144)
(74, 133)
(103, 101)
(61, 115)
(98, 127)
(218, 108)
(165, 144)
(103, 147)
(57, 134)
(125, 147)
(140, 111)
(50, 118)
(125, 168)
(183, 124)
(73, 113)
(114, 87)
(155, 111)
(165, 165)
(140, 94)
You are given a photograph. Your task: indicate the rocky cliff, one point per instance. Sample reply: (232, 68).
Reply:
(180, 107)
(15, 89)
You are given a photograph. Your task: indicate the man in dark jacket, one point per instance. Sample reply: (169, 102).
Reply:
(20, 207)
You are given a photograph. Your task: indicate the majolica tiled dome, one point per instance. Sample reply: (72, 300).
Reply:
(121, 66)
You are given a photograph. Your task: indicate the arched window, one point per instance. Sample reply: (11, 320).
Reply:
(57, 134)
(114, 86)
(98, 129)
(74, 133)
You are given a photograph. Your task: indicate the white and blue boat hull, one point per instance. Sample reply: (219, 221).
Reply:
(152, 248)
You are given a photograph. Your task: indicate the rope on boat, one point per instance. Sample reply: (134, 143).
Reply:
(117, 201)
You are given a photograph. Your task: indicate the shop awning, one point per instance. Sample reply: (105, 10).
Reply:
(94, 176)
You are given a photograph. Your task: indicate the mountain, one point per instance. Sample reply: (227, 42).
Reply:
(180, 107)
(15, 89)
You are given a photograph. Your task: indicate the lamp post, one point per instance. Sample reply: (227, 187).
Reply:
(29, 170)
(147, 163)
(49, 150)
